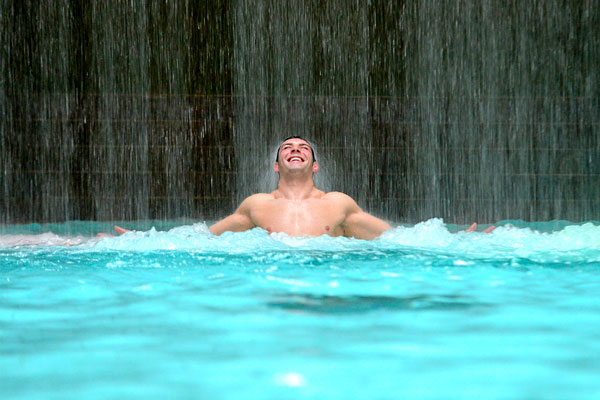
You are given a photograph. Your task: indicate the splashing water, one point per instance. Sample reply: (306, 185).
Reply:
(431, 235)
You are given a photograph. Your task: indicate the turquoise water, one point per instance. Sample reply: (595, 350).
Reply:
(422, 312)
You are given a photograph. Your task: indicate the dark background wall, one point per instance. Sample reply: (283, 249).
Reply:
(153, 110)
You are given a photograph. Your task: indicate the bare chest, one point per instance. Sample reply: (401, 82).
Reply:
(313, 217)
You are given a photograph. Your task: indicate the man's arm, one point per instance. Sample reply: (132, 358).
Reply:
(235, 223)
(361, 225)
(117, 228)
(239, 221)
(473, 228)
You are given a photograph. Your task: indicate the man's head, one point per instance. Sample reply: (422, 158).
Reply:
(296, 153)
(296, 137)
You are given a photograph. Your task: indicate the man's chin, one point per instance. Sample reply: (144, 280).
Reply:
(297, 165)
(298, 169)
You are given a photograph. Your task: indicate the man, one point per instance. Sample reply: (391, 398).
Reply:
(297, 208)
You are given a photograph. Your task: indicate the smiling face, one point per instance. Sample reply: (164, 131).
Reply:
(295, 154)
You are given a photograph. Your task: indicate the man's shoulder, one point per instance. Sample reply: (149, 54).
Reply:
(340, 198)
(337, 195)
(258, 198)
(253, 201)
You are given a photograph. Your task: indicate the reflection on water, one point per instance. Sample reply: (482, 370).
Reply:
(327, 304)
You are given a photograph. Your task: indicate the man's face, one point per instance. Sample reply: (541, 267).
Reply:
(295, 154)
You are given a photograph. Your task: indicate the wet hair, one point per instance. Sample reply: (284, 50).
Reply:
(296, 137)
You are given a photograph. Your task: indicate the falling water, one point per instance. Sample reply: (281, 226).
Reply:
(113, 112)
(470, 112)
(163, 110)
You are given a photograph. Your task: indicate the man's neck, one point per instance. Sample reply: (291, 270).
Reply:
(296, 188)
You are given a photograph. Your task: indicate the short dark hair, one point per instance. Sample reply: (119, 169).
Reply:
(296, 137)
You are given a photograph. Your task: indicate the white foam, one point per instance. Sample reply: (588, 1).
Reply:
(43, 239)
(431, 235)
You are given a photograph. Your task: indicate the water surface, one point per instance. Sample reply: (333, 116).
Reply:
(425, 311)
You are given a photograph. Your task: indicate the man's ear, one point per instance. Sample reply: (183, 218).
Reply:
(315, 167)
(276, 167)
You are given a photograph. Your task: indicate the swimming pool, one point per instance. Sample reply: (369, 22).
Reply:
(422, 312)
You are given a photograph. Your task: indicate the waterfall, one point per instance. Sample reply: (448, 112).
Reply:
(466, 111)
